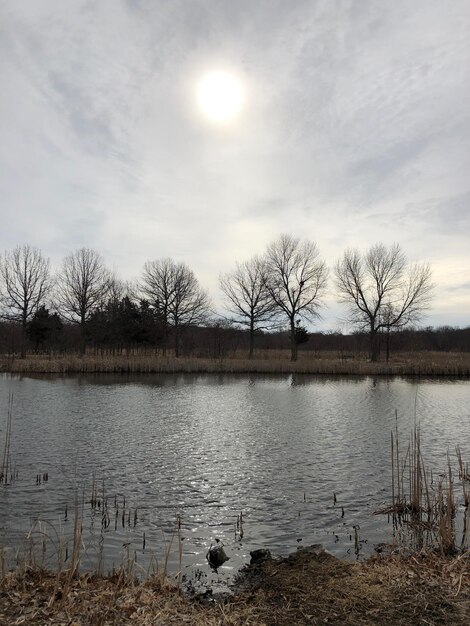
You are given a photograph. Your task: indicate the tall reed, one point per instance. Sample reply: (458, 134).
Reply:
(6, 472)
(422, 513)
(269, 362)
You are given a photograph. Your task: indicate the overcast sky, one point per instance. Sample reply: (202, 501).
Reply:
(355, 130)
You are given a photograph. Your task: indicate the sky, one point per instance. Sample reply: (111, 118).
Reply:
(354, 130)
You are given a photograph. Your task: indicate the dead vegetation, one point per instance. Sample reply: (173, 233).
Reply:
(268, 362)
(308, 587)
(428, 512)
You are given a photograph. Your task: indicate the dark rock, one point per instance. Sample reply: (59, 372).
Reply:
(380, 547)
(258, 556)
(315, 548)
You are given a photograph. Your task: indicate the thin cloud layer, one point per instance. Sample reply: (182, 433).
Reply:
(355, 130)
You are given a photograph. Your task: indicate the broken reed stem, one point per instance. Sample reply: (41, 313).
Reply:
(398, 454)
(393, 470)
(6, 462)
(447, 514)
(53, 537)
(77, 538)
(44, 545)
(466, 526)
(464, 472)
(167, 553)
(428, 513)
(180, 552)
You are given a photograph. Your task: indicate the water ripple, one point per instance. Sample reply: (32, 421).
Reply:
(210, 447)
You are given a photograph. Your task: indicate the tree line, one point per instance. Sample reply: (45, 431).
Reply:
(284, 288)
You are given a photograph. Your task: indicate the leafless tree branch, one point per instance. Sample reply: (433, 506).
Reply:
(296, 279)
(83, 286)
(174, 293)
(247, 296)
(381, 291)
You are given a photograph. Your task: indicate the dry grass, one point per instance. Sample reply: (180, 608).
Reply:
(269, 362)
(424, 509)
(309, 587)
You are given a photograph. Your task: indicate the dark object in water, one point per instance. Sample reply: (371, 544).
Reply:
(258, 556)
(216, 556)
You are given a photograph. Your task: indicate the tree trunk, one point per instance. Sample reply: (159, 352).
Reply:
(177, 341)
(23, 337)
(82, 337)
(252, 340)
(293, 342)
(165, 338)
(374, 345)
(388, 344)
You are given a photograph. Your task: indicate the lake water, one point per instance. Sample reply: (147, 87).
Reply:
(206, 448)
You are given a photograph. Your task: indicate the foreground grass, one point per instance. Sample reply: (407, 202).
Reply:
(269, 362)
(308, 587)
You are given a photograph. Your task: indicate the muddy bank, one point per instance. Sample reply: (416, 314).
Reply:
(308, 587)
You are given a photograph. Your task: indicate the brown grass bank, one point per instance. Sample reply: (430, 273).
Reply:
(308, 587)
(269, 362)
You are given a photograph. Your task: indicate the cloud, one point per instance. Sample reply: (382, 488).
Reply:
(356, 130)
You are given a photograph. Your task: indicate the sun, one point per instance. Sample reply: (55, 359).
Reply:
(220, 96)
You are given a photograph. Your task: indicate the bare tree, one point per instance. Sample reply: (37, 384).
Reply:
(190, 304)
(296, 279)
(83, 286)
(25, 283)
(381, 290)
(158, 286)
(118, 289)
(248, 298)
(174, 293)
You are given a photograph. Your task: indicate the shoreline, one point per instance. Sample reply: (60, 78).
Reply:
(310, 586)
(412, 364)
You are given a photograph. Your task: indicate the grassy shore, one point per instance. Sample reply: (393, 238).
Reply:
(269, 362)
(308, 587)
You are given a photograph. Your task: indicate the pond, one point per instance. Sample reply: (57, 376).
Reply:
(304, 459)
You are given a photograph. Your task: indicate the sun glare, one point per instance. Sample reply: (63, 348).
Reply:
(220, 96)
